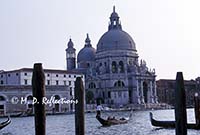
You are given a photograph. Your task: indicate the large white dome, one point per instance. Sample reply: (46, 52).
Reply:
(116, 39)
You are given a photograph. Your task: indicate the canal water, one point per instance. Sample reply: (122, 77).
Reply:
(64, 124)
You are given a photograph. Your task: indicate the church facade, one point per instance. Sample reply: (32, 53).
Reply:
(113, 72)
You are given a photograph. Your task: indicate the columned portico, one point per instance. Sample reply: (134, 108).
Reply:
(151, 93)
(138, 92)
(155, 92)
(142, 92)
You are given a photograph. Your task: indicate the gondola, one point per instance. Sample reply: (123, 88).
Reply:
(5, 123)
(170, 124)
(110, 122)
(16, 114)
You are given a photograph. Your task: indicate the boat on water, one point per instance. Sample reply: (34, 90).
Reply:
(111, 120)
(5, 123)
(13, 115)
(170, 124)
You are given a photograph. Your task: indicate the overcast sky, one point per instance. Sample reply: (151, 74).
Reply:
(166, 32)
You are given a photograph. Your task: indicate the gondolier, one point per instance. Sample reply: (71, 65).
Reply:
(99, 108)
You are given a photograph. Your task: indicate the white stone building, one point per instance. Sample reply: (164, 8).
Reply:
(113, 72)
(23, 76)
(17, 83)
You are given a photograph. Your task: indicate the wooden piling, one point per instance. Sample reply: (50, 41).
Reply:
(180, 106)
(197, 109)
(79, 107)
(38, 89)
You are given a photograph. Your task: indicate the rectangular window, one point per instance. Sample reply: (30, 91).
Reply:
(25, 81)
(25, 74)
(17, 74)
(1, 106)
(8, 75)
(109, 95)
(48, 82)
(48, 75)
(57, 82)
(64, 75)
(56, 75)
(70, 83)
(1, 76)
(74, 76)
(1, 81)
(70, 91)
(69, 76)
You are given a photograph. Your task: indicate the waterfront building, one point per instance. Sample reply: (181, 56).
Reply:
(17, 83)
(56, 77)
(166, 91)
(113, 72)
(18, 98)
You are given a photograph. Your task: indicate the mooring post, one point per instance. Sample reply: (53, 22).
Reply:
(38, 89)
(180, 106)
(196, 109)
(79, 107)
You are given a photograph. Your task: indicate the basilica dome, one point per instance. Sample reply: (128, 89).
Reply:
(87, 53)
(115, 38)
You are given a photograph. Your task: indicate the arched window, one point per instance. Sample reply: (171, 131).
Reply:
(121, 67)
(30, 97)
(114, 67)
(119, 84)
(2, 98)
(92, 85)
(2, 105)
(29, 106)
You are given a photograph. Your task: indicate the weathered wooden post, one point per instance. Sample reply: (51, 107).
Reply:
(38, 88)
(180, 106)
(79, 107)
(196, 109)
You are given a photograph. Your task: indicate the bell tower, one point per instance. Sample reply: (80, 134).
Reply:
(70, 55)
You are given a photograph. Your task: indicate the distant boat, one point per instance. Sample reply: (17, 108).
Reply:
(16, 114)
(13, 115)
(5, 123)
(170, 124)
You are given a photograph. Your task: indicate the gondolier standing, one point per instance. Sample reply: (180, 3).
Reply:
(99, 108)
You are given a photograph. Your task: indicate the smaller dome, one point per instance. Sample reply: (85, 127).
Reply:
(70, 43)
(87, 53)
(70, 46)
